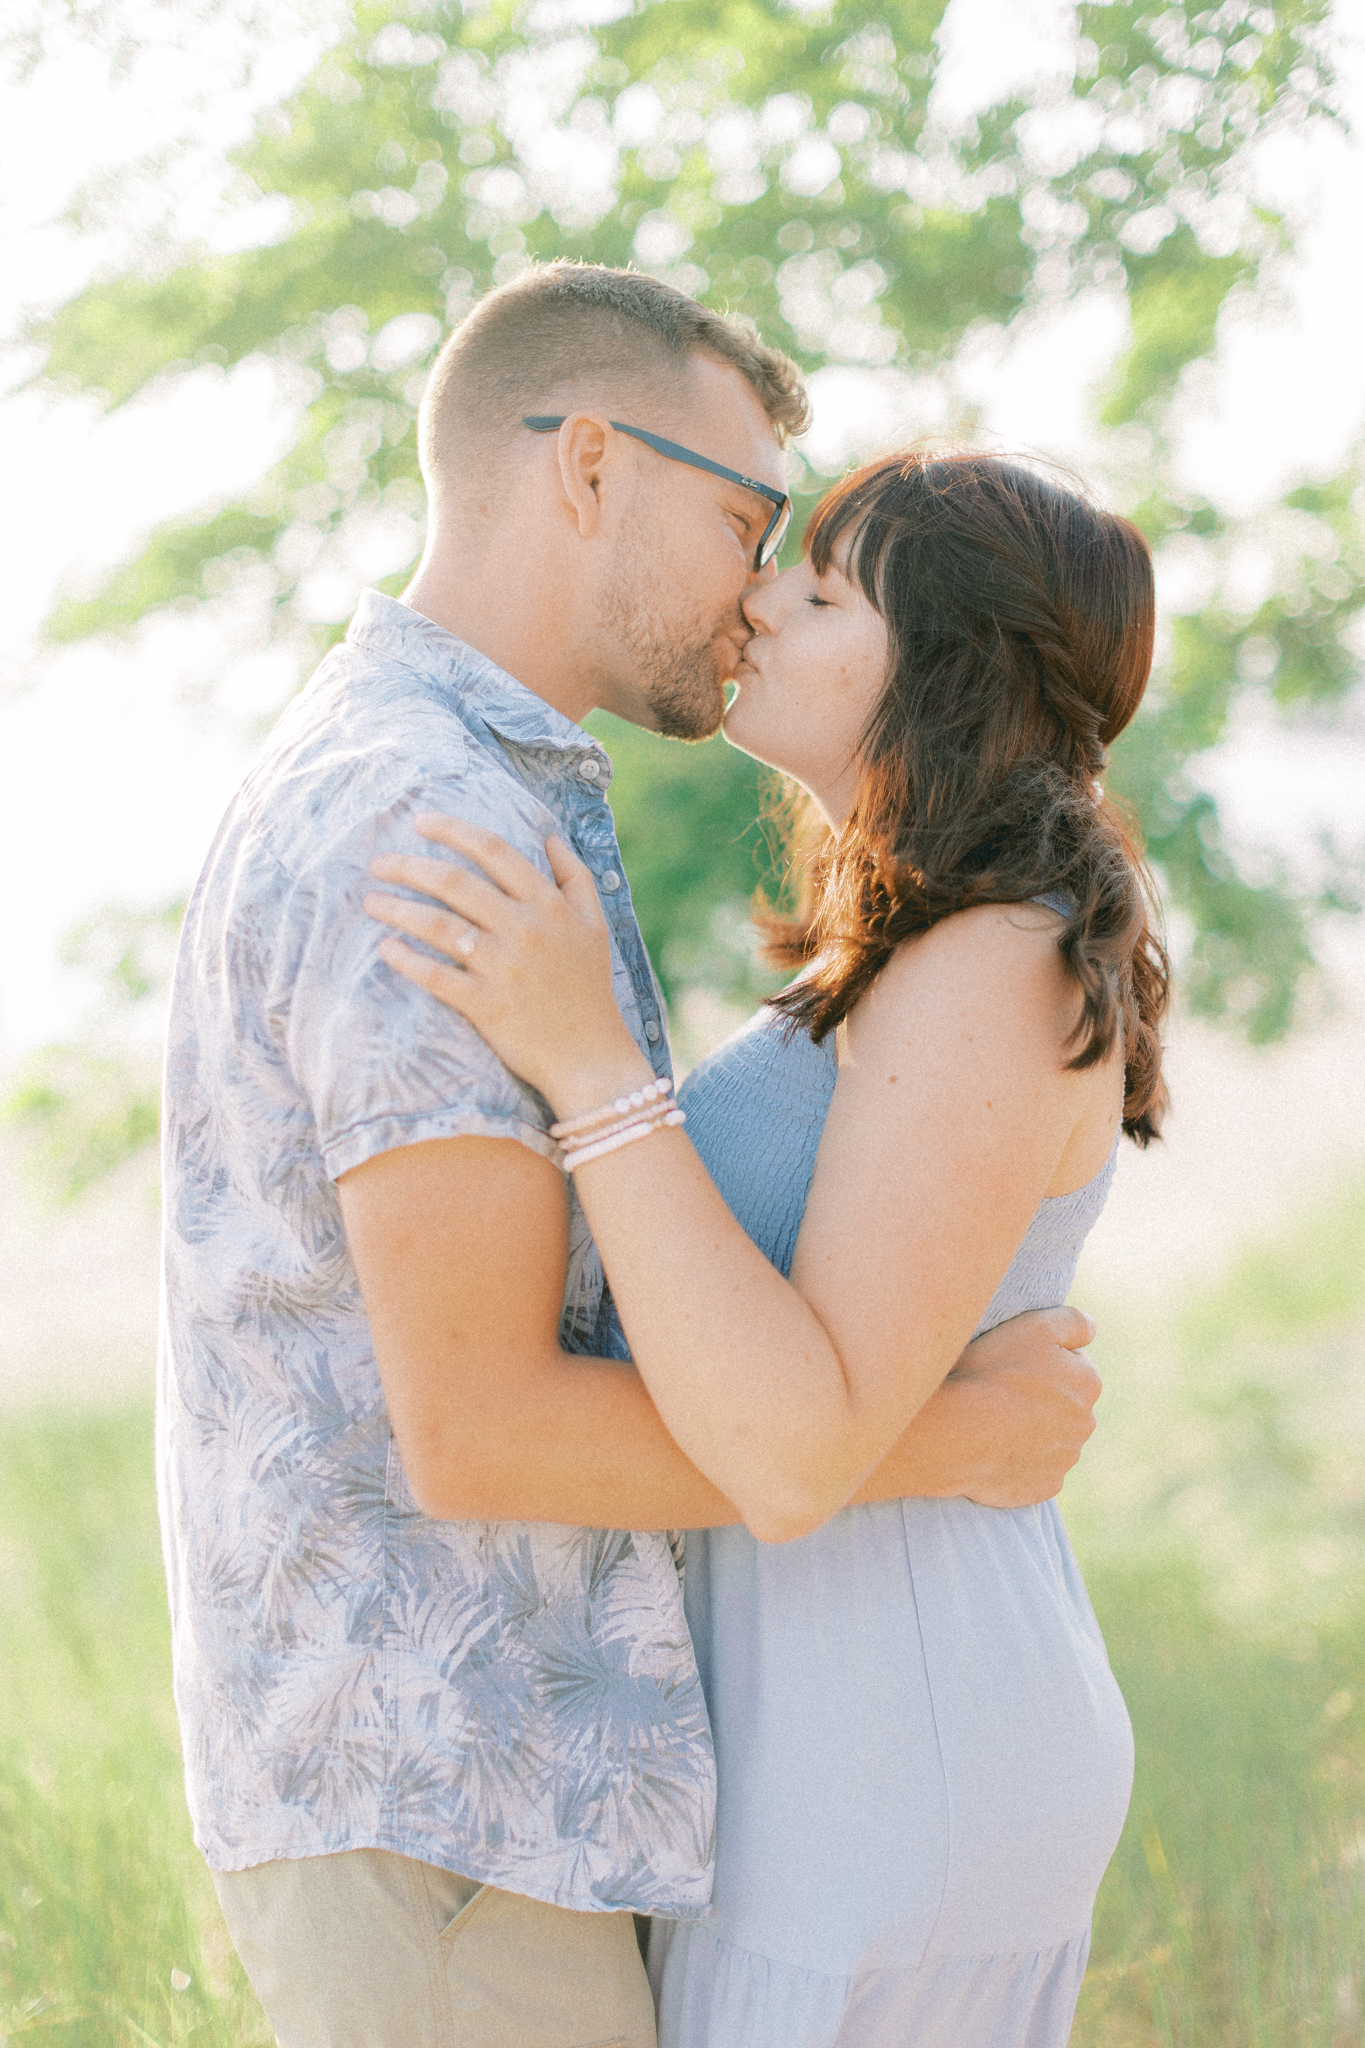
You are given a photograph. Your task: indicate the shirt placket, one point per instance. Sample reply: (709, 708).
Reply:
(593, 832)
(572, 780)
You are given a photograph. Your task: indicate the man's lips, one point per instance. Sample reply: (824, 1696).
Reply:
(737, 648)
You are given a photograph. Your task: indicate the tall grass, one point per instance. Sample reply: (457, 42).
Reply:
(1222, 1525)
(1233, 1914)
(1221, 1517)
(1234, 1910)
(105, 1905)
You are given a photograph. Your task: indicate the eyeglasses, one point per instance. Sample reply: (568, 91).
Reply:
(773, 534)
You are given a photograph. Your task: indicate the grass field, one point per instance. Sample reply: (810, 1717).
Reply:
(1234, 1911)
(105, 1905)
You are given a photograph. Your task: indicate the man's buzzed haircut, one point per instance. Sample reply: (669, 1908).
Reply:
(585, 326)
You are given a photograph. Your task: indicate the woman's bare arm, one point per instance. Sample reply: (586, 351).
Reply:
(953, 1113)
(950, 1119)
(460, 1245)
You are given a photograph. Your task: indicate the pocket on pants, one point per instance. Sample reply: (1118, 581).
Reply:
(523, 1974)
(452, 1928)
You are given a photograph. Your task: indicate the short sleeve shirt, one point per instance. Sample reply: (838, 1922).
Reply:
(518, 1702)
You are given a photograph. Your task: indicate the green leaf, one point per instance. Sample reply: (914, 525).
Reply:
(84, 1113)
(1175, 297)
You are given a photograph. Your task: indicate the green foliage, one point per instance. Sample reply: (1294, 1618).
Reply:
(85, 1111)
(1251, 940)
(179, 562)
(789, 165)
(90, 1104)
(691, 821)
(1175, 297)
(1291, 1287)
(1301, 623)
(130, 952)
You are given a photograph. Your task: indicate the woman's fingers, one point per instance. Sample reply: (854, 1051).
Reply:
(448, 933)
(450, 985)
(470, 895)
(514, 874)
(577, 884)
(529, 953)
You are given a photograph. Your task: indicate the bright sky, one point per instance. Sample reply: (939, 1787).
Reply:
(114, 764)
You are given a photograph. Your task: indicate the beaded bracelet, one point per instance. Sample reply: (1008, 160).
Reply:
(597, 1146)
(654, 1113)
(612, 1112)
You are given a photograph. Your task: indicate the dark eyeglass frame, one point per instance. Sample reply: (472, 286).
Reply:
(773, 534)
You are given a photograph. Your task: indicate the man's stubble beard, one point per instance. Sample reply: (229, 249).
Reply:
(685, 694)
(674, 669)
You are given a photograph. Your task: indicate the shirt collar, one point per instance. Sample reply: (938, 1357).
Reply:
(385, 625)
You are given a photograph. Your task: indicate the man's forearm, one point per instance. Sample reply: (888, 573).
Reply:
(585, 1446)
(941, 1453)
(578, 1440)
(564, 1439)
(460, 1247)
(1008, 1423)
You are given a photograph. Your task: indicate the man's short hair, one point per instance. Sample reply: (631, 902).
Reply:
(580, 325)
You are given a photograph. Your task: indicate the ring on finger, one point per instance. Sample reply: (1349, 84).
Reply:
(465, 945)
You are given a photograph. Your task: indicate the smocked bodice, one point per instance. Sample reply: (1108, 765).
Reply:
(755, 1112)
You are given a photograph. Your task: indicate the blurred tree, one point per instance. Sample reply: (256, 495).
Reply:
(788, 161)
(87, 1104)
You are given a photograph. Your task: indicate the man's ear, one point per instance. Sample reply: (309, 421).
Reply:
(584, 446)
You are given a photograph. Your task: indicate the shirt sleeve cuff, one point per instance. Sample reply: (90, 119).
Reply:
(352, 1147)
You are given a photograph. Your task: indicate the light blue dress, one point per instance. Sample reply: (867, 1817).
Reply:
(924, 1759)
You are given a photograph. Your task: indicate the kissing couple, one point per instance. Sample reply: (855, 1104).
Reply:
(468, 1315)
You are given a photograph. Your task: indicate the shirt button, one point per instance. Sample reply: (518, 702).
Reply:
(590, 769)
(611, 881)
(652, 1030)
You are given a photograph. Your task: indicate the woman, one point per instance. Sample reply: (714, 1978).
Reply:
(924, 1760)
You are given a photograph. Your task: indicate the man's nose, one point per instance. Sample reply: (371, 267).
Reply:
(753, 605)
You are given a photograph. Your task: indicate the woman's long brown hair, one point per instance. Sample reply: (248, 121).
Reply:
(1019, 625)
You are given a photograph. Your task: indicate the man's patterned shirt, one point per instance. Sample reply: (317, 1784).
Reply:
(514, 1701)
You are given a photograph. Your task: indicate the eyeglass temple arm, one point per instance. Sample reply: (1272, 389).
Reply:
(543, 423)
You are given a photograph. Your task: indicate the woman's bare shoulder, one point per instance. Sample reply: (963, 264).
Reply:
(992, 941)
(995, 961)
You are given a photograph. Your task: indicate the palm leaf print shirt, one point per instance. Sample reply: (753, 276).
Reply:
(514, 1701)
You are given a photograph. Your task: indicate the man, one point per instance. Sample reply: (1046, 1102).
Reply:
(443, 1729)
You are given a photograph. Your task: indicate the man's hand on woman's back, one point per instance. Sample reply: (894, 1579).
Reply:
(1008, 1423)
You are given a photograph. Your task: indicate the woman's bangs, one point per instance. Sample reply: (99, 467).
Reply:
(851, 512)
(879, 502)
(829, 522)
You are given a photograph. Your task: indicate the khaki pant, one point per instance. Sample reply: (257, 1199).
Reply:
(373, 1950)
